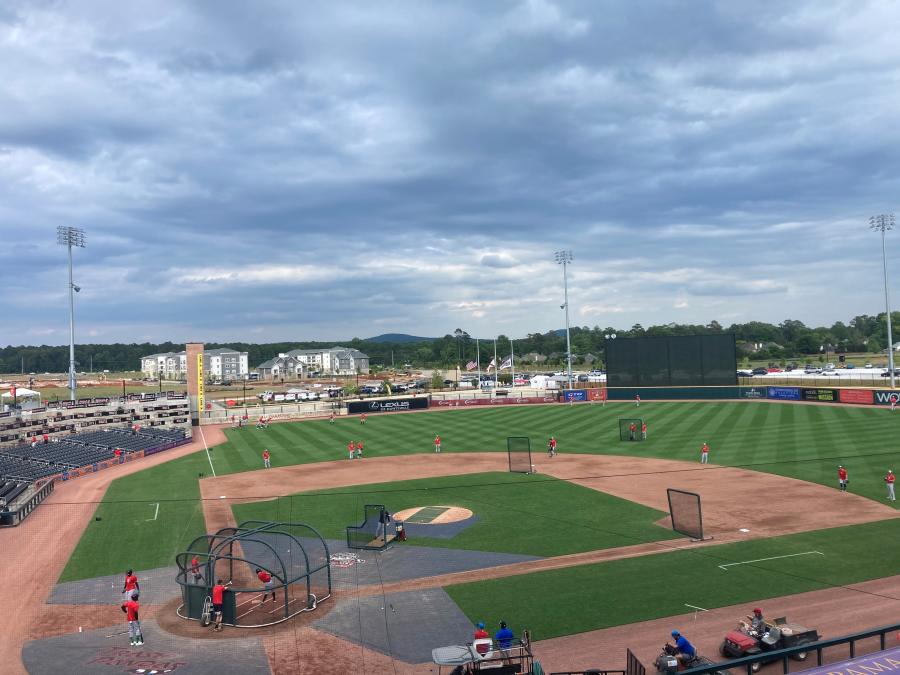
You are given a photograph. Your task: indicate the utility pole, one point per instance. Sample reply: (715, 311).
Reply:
(69, 237)
(564, 258)
(882, 223)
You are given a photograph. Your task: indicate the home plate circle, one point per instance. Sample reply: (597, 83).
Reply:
(433, 515)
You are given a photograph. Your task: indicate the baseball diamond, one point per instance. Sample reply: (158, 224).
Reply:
(587, 529)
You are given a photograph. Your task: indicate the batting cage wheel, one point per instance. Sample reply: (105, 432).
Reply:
(518, 449)
(629, 433)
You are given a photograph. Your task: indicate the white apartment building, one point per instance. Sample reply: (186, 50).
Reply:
(332, 361)
(218, 364)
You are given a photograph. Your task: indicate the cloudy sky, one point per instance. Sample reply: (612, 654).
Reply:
(293, 170)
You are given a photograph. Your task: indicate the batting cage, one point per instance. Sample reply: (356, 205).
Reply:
(630, 430)
(376, 531)
(294, 557)
(518, 448)
(686, 514)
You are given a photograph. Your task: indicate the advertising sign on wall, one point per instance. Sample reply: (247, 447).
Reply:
(200, 400)
(575, 395)
(856, 396)
(387, 405)
(821, 395)
(784, 393)
(886, 397)
(753, 392)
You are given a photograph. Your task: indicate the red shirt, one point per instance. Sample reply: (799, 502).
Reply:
(264, 576)
(552, 442)
(359, 445)
(131, 608)
(218, 590)
(46, 438)
(643, 427)
(637, 398)
(265, 454)
(437, 440)
(603, 394)
(842, 473)
(350, 446)
(704, 449)
(889, 478)
(481, 634)
(130, 582)
(362, 418)
(34, 439)
(195, 565)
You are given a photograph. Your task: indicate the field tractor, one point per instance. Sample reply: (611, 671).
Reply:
(668, 663)
(781, 634)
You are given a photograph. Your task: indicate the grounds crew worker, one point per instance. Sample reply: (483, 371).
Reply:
(757, 623)
(686, 652)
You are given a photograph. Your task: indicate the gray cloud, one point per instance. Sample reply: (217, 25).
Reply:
(307, 174)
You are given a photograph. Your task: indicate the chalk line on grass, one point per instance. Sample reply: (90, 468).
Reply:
(200, 429)
(156, 514)
(774, 557)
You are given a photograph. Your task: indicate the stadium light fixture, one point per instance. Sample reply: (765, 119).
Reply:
(69, 237)
(564, 258)
(882, 223)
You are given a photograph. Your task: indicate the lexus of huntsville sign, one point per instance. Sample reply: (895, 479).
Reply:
(387, 405)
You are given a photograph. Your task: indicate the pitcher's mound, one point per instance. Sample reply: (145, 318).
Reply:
(433, 515)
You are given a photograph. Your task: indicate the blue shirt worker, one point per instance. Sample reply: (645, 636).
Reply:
(686, 651)
(504, 636)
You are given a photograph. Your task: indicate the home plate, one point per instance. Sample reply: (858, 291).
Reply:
(743, 529)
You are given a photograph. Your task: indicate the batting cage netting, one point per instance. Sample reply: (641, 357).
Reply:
(519, 450)
(630, 430)
(375, 532)
(687, 516)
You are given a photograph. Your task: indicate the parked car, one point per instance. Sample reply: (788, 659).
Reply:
(774, 370)
(887, 372)
(828, 371)
(745, 373)
(810, 369)
(582, 378)
(849, 366)
(829, 366)
(760, 371)
(868, 365)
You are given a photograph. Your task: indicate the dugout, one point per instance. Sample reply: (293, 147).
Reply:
(295, 554)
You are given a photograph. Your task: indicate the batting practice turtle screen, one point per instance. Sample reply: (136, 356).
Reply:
(671, 361)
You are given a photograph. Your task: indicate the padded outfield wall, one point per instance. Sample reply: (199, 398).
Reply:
(672, 361)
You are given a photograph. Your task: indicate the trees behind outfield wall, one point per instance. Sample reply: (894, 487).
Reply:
(755, 339)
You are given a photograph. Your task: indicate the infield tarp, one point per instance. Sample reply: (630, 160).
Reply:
(385, 405)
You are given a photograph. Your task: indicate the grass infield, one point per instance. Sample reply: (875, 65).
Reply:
(517, 513)
(801, 441)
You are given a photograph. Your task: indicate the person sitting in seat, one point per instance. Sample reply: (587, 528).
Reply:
(685, 650)
(504, 636)
(757, 623)
(481, 634)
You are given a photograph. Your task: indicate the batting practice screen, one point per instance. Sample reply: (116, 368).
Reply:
(672, 361)
(625, 431)
(519, 450)
(684, 508)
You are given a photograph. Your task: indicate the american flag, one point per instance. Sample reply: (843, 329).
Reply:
(471, 365)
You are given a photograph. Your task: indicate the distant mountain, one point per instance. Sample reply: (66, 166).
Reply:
(398, 337)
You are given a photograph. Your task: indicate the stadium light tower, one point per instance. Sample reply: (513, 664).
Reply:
(882, 223)
(564, 258)
(69, 237)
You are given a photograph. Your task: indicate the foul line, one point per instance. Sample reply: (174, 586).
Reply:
(207, 451)
(155, 515)
(699, 609)
(776, 557)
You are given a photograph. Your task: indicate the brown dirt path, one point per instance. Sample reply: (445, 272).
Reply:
(39, 548)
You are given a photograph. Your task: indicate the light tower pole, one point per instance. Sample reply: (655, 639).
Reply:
(69, 237)
(564, 258)
(882, 223)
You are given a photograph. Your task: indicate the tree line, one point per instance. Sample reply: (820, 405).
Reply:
(788, 339)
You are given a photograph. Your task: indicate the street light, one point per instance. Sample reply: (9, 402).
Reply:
(69, 237)
(882, 223)
(564, 258)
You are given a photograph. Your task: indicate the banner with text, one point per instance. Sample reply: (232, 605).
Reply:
(784, 393)
(387, 405)
(821, 395)
(470, 402)
(866, 396)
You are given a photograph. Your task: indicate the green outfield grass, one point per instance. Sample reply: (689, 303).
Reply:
(590, 597)
(802, 441)
(517, 513)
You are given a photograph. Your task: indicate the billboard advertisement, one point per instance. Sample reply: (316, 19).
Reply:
(387, 405)
(472, 402)
(753, 392)
(886, 397)
(575, 395)
(200, 397)
(820, 395)
(784, 393)
(866, 396)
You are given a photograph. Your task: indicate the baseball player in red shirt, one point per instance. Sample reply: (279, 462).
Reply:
(350, 447)
(889, 481)
(842, 478)
(643, 431)
(131, 609)
(131, 586)
(359, 449)
(551, 447)
(268, 584)
(637, 400)
(195, 570)
(632, 428)
(331, 417)
(267, 459)
(437, 443)
(603, 395)
(704, 453)
(362, 418)
(218, 592)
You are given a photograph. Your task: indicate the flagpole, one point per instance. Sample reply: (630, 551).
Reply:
(496, 367)
(478, 361)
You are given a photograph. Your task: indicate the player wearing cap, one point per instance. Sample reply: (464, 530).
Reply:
(131, 609)
(350, 447)
(359, 449)
(637, 401)
(437, 443)
(218, 593)
(842, 478)
(551, 447)
(632, 428)
(267, 459)
(268, 584)
(889, 482)
(643, 431)
(131, 586)
(704, 453)
(195, 570)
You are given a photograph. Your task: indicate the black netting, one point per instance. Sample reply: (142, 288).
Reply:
(519, 450)
(684, 508)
